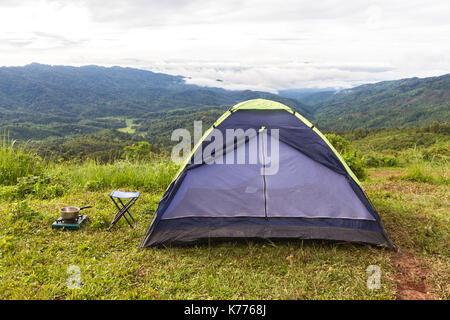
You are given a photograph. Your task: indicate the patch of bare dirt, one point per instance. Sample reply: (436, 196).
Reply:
(411, 277)
(386, 174)
(403, 187)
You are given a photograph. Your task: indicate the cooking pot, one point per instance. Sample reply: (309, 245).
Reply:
(68, 213)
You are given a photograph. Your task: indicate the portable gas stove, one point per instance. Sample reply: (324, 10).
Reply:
(69, 224)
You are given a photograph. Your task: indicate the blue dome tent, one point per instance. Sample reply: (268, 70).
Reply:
(312, 194)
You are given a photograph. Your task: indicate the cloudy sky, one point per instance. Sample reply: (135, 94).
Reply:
(248, 44)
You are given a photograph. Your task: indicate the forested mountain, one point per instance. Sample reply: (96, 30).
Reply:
(38, 101)
(308, 96)
(41, 101)
(406, 102)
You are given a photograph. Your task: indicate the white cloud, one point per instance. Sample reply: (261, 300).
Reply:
(248, 44)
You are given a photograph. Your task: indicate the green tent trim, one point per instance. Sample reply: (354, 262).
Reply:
(262, 104)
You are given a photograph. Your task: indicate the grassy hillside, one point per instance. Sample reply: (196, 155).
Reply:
(398, 139)
(35, 260)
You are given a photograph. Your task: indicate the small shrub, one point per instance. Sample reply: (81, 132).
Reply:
(350, 155)
(93, 185)
(27, 185)
(52, 191)
(356, 163)
(339, 143)
(390, 161)
(438, 152)
(142, 151)
(421, 173)
(372, 161)
(417, 175)
(375, 161)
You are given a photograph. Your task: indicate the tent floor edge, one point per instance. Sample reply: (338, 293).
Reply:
(197, 234)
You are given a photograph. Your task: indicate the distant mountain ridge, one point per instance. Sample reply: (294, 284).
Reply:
(397, 103)
(309, 96)
(39, 101)
(94, 91)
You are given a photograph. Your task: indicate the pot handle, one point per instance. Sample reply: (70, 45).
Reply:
(85, 207)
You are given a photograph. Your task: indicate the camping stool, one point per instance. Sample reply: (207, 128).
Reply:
(119, 195)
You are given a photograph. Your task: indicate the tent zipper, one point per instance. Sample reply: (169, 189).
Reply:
(264, 176)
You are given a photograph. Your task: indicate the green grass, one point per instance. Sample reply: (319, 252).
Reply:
(34, 259)
(16, 162)
(424, 172)
(129, 128)
(415, 213)
(144, 175)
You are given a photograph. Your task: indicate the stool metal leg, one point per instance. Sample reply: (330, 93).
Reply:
(125, 209)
